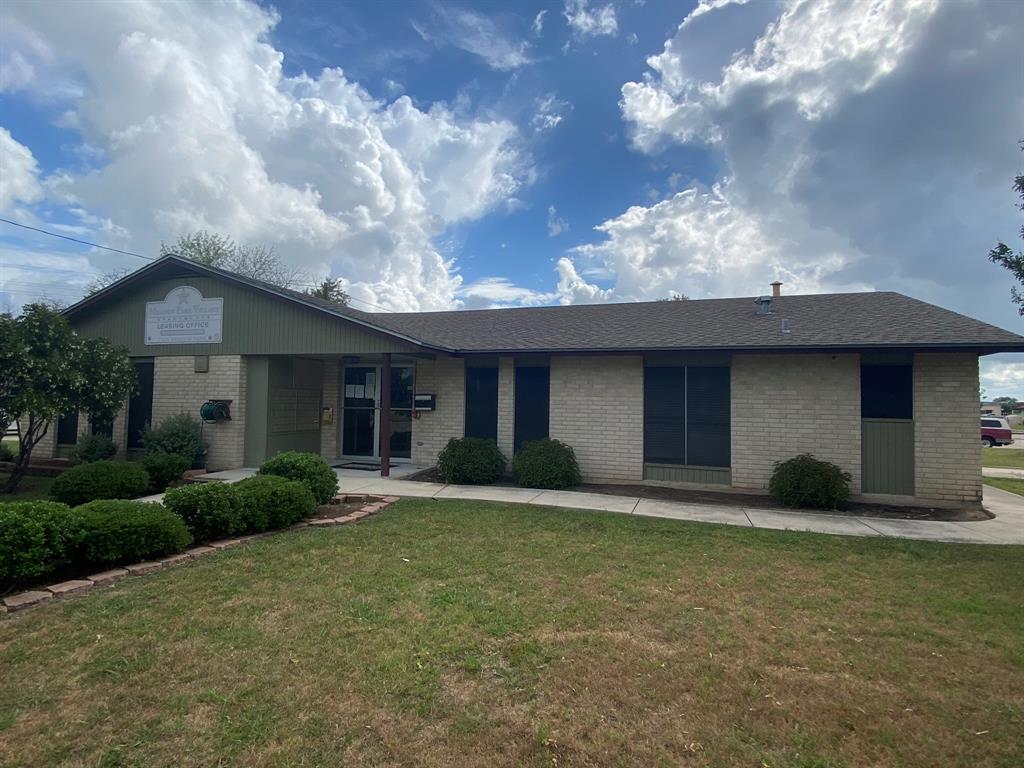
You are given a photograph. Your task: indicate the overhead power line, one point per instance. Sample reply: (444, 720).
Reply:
(136, 255)
(76, 240)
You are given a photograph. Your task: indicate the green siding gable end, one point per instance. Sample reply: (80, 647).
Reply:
(254, 324)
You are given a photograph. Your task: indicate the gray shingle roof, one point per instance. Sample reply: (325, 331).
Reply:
(821, 321)
(816, 322)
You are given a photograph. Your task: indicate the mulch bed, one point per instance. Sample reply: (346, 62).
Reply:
(760, 501)
(342, 504)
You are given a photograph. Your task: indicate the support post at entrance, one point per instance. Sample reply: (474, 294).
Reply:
(385, 416)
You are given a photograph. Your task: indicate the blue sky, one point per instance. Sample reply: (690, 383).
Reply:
(457, 154)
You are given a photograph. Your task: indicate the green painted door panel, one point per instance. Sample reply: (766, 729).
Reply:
(887, 456)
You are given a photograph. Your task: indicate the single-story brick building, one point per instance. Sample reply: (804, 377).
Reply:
(706, 392)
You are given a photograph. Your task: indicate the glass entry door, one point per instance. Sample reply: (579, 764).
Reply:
(359, 411)
(360, 406)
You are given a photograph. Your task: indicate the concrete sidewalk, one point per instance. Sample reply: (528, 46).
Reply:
(1014, 474)
(1006, 528)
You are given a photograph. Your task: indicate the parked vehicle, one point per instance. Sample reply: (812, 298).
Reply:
(995, 430)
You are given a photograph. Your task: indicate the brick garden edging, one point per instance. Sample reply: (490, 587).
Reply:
(39, 595)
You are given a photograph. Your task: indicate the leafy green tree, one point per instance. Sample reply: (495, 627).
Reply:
(257, 262)
(46, 370)
(1005, 256)
(329, 290)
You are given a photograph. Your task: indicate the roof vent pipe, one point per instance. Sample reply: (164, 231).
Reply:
(764, 305)
(776, 289)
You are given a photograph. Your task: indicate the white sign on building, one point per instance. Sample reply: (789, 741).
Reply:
(184, 317)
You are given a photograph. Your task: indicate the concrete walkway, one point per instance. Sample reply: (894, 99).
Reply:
(1006, 528)
(1015, 474)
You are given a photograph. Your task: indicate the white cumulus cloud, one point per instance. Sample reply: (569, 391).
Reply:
(199, 127)
(19, 173)
(857, 150)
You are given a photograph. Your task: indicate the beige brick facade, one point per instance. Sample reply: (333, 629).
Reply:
(947, 448)
(597, 407)
(329, 447)
(446, 378)
(177, 388)
(783, 405)
(506, 405)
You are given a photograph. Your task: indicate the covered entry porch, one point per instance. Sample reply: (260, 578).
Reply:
(357, 411)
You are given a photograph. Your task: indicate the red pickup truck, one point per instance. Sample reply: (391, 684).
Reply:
(995, 431)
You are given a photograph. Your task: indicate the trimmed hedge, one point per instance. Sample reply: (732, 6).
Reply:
(271, 501)
(309, 468)
(118, 531)
(36, 538)
(100, 480)
(6, 452)
(805, 481)
(94, 448)
(210, 510)
(470, 461)
(163, 469)
(546, 464)
(181, 435)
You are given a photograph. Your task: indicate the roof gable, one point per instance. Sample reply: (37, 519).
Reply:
(257, 318)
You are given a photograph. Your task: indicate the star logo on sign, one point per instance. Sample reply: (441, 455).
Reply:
(182, 297)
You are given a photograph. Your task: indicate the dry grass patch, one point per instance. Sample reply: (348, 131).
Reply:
(466, 633)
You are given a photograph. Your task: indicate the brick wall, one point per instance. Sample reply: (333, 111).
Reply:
(329, 447)
(597, 407)
(446, 378)
(177, 389)
(946, 438)
(506, 405)
(783, 405)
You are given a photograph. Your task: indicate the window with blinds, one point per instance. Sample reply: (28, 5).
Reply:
(686, 415)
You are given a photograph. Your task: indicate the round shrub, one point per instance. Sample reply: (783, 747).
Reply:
(546, 464)
(163, 469)
(271, 501)
(36, 538)
(470, 461)
(119, 531)
(100, 480)
(6, 452)
(805, 481)
(94, 448)
(181, 435)
(210, 510)
(309, 468)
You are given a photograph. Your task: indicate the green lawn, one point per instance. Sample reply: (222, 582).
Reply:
(467, 634)
(1002, 457)
(1006, 483)
(30, 487)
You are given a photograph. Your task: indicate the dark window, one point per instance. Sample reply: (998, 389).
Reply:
(664, 415)
(991, 423)
(886, 392)
(140, 406)
(532, 405)
(102, 427)
(482, 403)
(686, 415)
(707, 417)
(67, 429)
